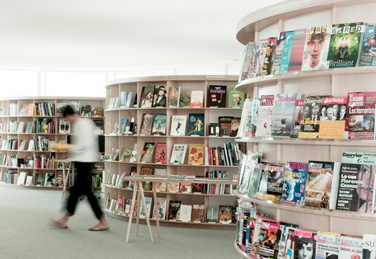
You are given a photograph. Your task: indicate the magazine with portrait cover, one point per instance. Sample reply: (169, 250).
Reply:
(297, 49)
(178, 125)
(267, 238)
(322, 184)
(350, 247)
(327, 245)
(333, 118)
(255, 114)
(247, 61)
(269, 56)
(147, 97)
(283, 114)
(360, 119)
(294, 181)
(174, 96)
(368, 47)
(217, 96)
(159, 124)
(160, 96)
(304, 244)
(316, 48)
(297, 118)
(345, 43)
(286, 40)
(281, 237)
(369, 246)
(265, 115)
(260, 54)
(275, 173)
(310, 123)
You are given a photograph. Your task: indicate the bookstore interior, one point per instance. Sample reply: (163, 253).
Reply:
(279, 160)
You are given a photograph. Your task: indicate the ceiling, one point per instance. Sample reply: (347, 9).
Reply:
(120, 35)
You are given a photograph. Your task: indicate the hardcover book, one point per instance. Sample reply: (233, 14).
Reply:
(196, 154)
(327, 245)
(265, 115)
(294, 183)
(126, 155)
(196, 124)
(368, 47)
(235, 98)
(235, 124)
(160, 154)
(174, 96)
(350, 247)
(310, 124)
(304, 244)
(174, 210)
(162, 204)
(297, 49)
(198, 213)
(217, 96)
(147, 153)
(345, 44)
(185, 213)
(333, 118)
(159, 124)
(178, 154)
(147, 123)
(197, 99)
(212, 215)
(287, 39)
(160, 96)
(178, 125)
(147, 97)
(185, 100)
(225, 214)
(275, 175)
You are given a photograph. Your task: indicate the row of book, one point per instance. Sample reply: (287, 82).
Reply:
(218, 96)
(34, 162)
(325, 117)
(347, 185)
(40, 143)
(314, 48)
(260, 237)
(176, 210)
(41, 126)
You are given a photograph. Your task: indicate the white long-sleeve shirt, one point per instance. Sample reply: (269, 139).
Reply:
(85, 142)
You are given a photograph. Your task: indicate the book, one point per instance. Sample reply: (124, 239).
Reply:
(126, 155)
(333, 118)
(146, 170)
(128, 100)
(159, 124)
(369, 246)
(367, 48)
(178, 125)
(64, 127)
(225, 214)
(123, 123)
(196, 154)
(345, 44)
(160, 96)
(268, 235)
(265, 115)
(269, 56)
(316, 48)
(160, 154)
(225, 128)
(245, 127)
(198, 213)
(217, 96)
(350, 247)
(96, 112)
(280, 242)
(212, 215)
(260, 53)
(275, 174)
(86, 110)
(174, 210)
(133, 157)
(287, 39)
(327, 245)
(297, 118)
(360, 119)
(310, 123)
(162, 203)
(147, 97)
(196, 124)
(197, 99)
(294, 183)
(282, 120)
(185, 213)
(322, 184)
(235, 98)
(178, 154)
(172, 187)
(235, 124)
(160, 186)
(147, 153)
(146, 124)
(123, 98)
(185, 100)
(304, 244)
(121, 204)
(143, 214)
(21, 178)
(174, 96)
(278, 54)
(247, 61)
(23, 109)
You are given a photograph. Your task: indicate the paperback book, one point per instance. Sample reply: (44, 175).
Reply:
(197, 99)
(159, 124)
(178, 125)
(217, 96)
(198, 213)
(196, 154)
(185, 213)
(146, 170)
(174, 210)
(212, 215)
(196, 124)
(147, 97)
(160, 207)
(147, 153)
(294, 183)
(160, 186)
(160, 96)
(235, 98)
(160, 154)
(147, 124)
(178, 154)
(225, 214)
(185, 100)
(174, 96)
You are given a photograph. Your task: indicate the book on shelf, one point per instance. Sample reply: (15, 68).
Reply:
(294, 181)
(123, 123)
(121, 204)
(350, 247)
(160, 153)
(196, 154)
(186, 187)
(185, 213)
(245, 127)
(327, 245)
(255, 113)
(235, 124)
(114, 154)
(196, 124)
(367, 47)
(260, 52)
(96, 112)
(333, 118)
(197, 99)
(147, 97)
(143, 214)
(310, 123)
(29, 180)
(123, 98)
(147, 124)
(125, 155)
(217, 96)
(147, 153)
(304, 243)
(297, 49)
(133, 157)
(265, 113)
(160, 96)
(269, 56)
(178, 153)
(21, 178)
(86, 110)
(128, 100)
(185, 100)
(162, 204)
(173, 187)
(160, 186)
(146, 170)
(174, 210)
(159, 124)
(30, 109)
(212, 215)
(225, 214)
(23, 109)
(213, 129)
(178, 125)
(64, 127)
(198, 213)
(131, 184)
(174, 96)
(247, 63)
(225, 125)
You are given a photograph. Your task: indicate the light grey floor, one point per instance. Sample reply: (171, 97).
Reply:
(24, 233)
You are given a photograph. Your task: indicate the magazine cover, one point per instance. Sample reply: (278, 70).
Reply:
(360, 119)
(294, 183)
(147, 153)
(160, 186)
(247, 61)
(178, 125)
(159, 124)
(147, 97)
(327, 245)
(225, 214)
(316, 47)
(322, 184)
(245, 127)
(333, 118)
(304, 244)
(275, 175)
(235, 124)
(350, 247)
(147, 123)
(196, 154)
(160, 154)
(174, 96)
(368, 47)
(310, 123)
(253, 66)
(162, 207)
(264, 121)
(268, 236)
(160, 96)
(174, 210)
(258, 70)
(345, 44)
(297, 118)
(217, 96)
(283, 115)
(253, 250)
(269, 56)
(197, 99)
(255, 115)
(178, 154)
(235, 98)
(254, 180)
(288, 39)
(196, 124)
(369, 246)
(281, 237)
(278, 53)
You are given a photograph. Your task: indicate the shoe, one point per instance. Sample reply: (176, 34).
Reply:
(99, 229)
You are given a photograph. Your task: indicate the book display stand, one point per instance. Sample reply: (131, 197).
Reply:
(30, 126)
(119, 108)
(290, 16)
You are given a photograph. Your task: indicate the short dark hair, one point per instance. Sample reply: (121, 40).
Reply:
(68, 110)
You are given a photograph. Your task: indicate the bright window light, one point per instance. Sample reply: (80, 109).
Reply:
(18, 83)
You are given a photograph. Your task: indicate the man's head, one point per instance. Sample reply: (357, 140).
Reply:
(69, 114)
(315, 109)
(315, 44)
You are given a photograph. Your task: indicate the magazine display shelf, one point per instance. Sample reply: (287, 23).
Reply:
(187, 84)
(4, 103)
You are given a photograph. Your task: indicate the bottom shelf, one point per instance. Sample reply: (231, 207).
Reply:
(39, 187)
(170, 223)
(241, 252)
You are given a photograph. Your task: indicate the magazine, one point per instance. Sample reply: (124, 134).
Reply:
(294, 183)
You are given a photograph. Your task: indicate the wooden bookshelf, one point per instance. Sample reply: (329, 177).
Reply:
(6, 117)
(187, 84)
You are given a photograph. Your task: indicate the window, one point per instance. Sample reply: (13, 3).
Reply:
(18, 83)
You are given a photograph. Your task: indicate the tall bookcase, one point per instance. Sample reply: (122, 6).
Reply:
(7, 117)
(187, 84)
(292, 15)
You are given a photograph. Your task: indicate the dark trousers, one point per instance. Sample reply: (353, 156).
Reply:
(81, 187)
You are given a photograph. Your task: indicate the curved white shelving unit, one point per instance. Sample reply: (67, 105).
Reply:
(240, 252)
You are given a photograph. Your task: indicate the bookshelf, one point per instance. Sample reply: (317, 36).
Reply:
(10, 111)
(288, 16)
(187, 84)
